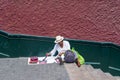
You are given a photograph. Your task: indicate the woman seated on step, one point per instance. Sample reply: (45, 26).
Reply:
(64, 52)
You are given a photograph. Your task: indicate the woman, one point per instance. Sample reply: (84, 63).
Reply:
(61, 46)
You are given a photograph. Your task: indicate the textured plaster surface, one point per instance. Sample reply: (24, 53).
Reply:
(96, 20)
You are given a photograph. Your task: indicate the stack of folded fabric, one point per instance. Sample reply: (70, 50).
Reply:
(33, 59)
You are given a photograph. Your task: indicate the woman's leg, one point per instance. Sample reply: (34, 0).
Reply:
(76, 60)
(60, 60)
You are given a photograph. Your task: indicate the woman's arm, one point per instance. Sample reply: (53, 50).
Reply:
(52, 52)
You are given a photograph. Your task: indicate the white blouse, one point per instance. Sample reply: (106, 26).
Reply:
(66, 46)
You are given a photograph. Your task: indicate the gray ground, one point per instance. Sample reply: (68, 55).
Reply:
(18, 69)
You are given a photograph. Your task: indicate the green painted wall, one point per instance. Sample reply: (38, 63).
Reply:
(100, 55)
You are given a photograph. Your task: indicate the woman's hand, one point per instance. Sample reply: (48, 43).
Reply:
(48, 54)
(60, 54)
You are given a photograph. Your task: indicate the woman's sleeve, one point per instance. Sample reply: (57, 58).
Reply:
(67, 45)
(52, 52)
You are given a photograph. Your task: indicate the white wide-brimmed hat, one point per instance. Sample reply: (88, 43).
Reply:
(59, 39)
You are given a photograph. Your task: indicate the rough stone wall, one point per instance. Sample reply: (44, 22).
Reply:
(96, 20)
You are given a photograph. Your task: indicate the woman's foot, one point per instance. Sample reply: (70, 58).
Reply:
(77, 62)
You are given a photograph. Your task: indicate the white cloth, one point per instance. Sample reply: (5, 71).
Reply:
(66, 46)
(48, 59)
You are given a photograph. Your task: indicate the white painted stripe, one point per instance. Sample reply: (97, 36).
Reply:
(97, 63)
(114, 68)
(5, 54)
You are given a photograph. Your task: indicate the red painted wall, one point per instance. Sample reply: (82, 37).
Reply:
(96, 20)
